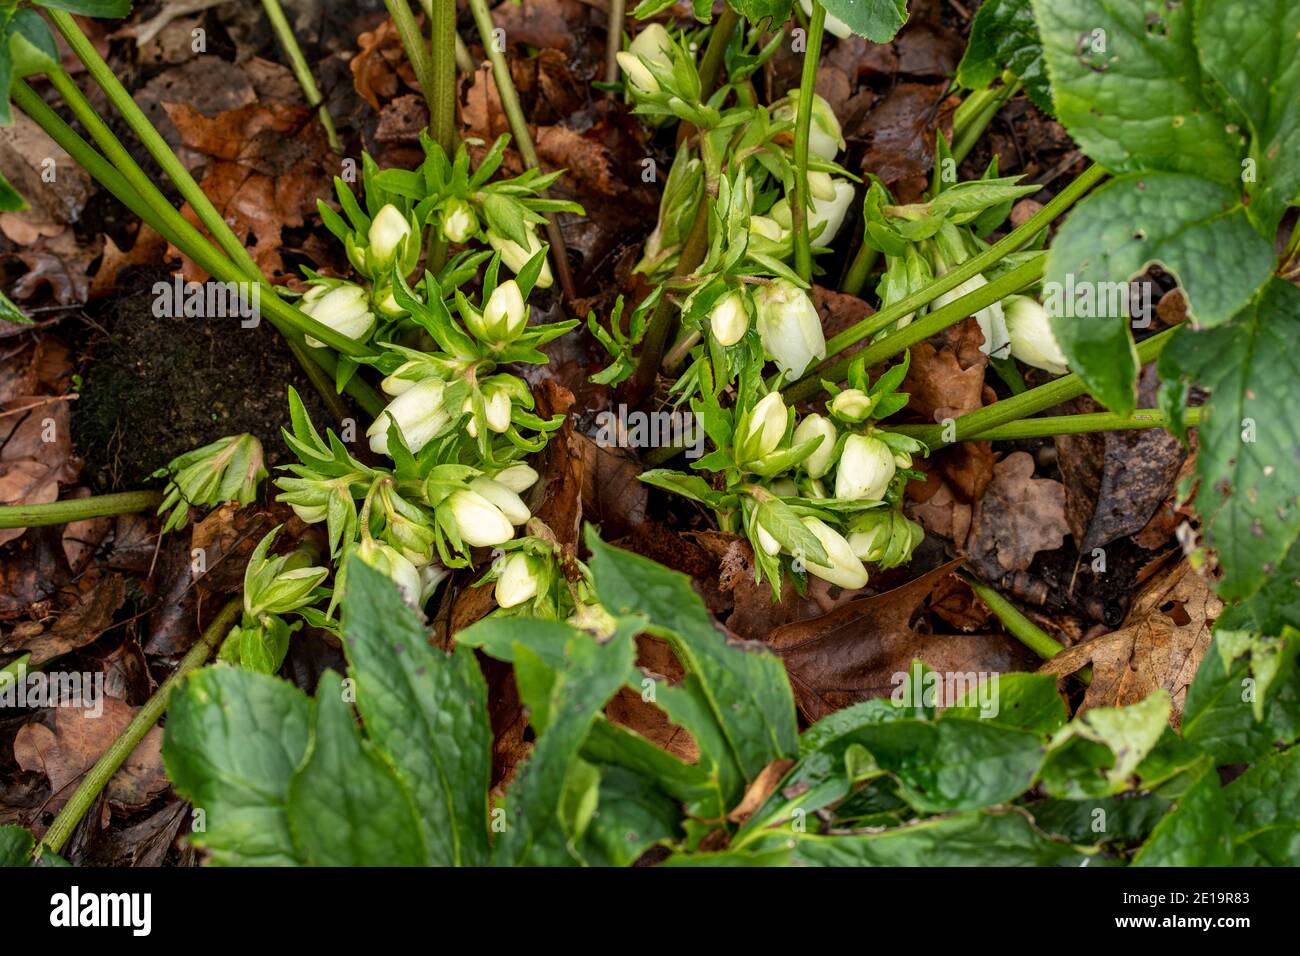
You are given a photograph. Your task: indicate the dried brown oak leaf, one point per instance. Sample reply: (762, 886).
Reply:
(268, 169)
(1017, 516)
(859, 650)
(93, 601)
(79, 738)
(1161, 644)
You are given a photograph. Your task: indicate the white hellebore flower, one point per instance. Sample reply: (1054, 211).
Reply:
(518, 477)
(496, 406)
(419, 414)
(834, 25)
(506, 501)
(504, 315)
(1032, 341)
(845, 568)
(992, 322)
(516, 256)
(458, 220)
(765, 541)
(852, 405)
(387, 230)
(762, 431)
(518, 580)
(729, 319)
(831, 211)
(820, 461)
(865, 470)
(479, 522)
(345, 309)
(651, 45)
(789, 326)
(389, 561)
(824, 136)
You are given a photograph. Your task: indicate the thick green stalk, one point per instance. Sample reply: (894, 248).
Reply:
(442, 96)
(1052, 425)
(968, 128)
(78, 509)
(864, 260)
(153, 208)
(1014, 241)
(975, 424)
(1022, 629)
(416, 51)
(98, 776)
(523, 138)
(153, 142)
(807, 88)
(301, 70)
(1023, 275)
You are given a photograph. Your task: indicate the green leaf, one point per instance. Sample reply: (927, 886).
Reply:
(231, 744)
(992, 838)
(115, 9)
(9, 312)
(1263, 806)
(1097, 753)
(747, 690)
(756, 10)
(1246, 497)
(1129, 88)
(1027, 701)
(425, 711)
(10, 201)
(592, 674)
(779, 520)
(497, 637)
(347, 806)
(15, 847)
(1219, 713)
(877, 20)
(1195, 833)
(1003, 35)
(688, 486)
(631, 816)
(1123, 819)
(952, 764)
(1252, 49)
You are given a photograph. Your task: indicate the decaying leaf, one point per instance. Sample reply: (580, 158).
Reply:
(1018, 516)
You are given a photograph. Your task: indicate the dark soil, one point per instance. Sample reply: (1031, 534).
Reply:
(155, 388)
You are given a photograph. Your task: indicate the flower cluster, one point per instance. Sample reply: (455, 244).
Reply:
(456, 430)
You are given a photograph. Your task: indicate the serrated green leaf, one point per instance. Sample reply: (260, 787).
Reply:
(576, 695)
(231, 744)
(1195, 833)
(747, 689)
(1247, 500)
(877, 20)
(1252, 49)
(1129, 88)
(1003, 35)
(347, 806)
(1264, 806)
(426, 711)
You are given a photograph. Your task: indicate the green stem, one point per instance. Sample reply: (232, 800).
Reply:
(98, 776)
(807, 85)
(965, 135)
(1021, 628)
(1052, 425)
(864, 260)
(153, 142)
(977, 423)
(523, 139)
(613, 40)
(298, 62)
(442, 98)
(1015, 240)
(152, 207)
(1023, 275)
(416, 52)
(78, 509)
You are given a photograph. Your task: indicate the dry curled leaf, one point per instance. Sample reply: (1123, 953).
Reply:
(1018, 516)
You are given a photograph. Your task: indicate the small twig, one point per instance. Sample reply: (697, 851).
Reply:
(298, 62)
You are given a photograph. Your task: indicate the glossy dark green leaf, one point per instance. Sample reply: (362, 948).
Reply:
(632, 815)
(746, 687)
(877, 20)
(16, 846)
(231, 744)
(534, 834)
(347, 806)
(1264, 806)
(1027, 701)
(426, 711)
(1195, 833)
(1098, 753)
(1003, 36)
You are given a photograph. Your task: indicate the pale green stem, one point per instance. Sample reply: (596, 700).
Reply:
(301, 70)
(78, 509)
(803, 126)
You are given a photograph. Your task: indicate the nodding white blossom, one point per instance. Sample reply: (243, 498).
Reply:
(815, 426)
(518, 580)
(1032, 340)
(653, 45)
(729, 319)
(760, 432)
(845, 568)
(419, 413)
(387, 231)
(865, 469)
(479, 522)
(345, 308)
(516, 256)
(789, 326)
